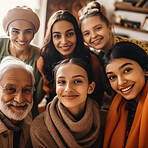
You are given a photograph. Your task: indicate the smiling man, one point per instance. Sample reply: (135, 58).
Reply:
(16, 101)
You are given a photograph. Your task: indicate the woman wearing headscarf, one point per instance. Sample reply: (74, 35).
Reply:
(21, 24)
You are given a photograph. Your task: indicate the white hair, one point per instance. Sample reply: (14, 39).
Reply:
(10, 62)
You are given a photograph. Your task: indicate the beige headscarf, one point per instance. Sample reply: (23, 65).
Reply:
(21, 13)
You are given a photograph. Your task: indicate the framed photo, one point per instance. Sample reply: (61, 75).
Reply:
(145, 24)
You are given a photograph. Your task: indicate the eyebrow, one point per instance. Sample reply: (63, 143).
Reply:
(19, 29)
(122, 66)
(66, 31)
(73, 76)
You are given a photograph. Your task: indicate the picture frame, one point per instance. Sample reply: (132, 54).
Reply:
(144, 25)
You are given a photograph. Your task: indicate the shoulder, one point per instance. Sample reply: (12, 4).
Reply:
(4, 40)
(36, 50)
(40, 63)
(38, 123)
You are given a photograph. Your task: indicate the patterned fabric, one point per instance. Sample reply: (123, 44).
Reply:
(142, 44)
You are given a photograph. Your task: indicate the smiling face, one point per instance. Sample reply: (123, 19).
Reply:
(126, 77)
(21, 34)
(72, 86)
(16, 104)
(64, 37)
(96, 33)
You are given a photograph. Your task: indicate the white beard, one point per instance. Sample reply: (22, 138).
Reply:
(15, 115)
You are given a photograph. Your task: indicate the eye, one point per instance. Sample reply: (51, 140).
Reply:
(98, 28)
(27, 91)
(127, 70)
(112, 77)
(57, 36)
(61, 82)
(78, 81)
(15, 32)
(70, 34)
(10, 90)
(28, 31)
(86, 34)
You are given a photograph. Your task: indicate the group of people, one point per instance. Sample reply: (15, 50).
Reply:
(74, 80)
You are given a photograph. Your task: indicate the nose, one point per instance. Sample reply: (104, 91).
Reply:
(19, 97)
(21, 36)
(68, 88)
(121, 81)
(63, 40)
(93, 34)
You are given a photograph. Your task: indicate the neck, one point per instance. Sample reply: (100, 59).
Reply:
(109, 44)
(22, 55)
(77, 112)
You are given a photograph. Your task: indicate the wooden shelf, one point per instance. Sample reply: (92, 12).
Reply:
(139, 30)
(129, 7)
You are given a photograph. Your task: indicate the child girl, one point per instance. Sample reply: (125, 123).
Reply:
(127, 120)
(97, 30)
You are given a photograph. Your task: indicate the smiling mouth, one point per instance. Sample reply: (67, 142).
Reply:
(70, 97)
(65, 48)
(21, 43)
(127, 89)
(19, 107)
(96, 41)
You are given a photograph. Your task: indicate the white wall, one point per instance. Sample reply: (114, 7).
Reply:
(109, 7)
(39, 6)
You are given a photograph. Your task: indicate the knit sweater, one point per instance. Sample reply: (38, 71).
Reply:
(56, 127)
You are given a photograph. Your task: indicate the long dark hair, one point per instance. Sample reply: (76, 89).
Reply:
(49, 53)
(127, 50)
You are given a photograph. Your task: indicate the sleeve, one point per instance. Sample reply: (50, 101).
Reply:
(46, 88)
(97, 74)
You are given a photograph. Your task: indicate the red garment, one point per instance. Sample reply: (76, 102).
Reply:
(117, 120)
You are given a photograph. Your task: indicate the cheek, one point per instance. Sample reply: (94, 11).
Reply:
(113, 85)
(5, 98)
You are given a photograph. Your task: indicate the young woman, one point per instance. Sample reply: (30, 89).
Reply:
(21, 24)
(97, 30)
(72, 119)
(127, 120)
(63, 40)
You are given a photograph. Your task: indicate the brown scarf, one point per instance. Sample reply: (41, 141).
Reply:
(67, 131)
(117, 120)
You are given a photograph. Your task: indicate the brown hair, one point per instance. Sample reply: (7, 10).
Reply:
(92, 9)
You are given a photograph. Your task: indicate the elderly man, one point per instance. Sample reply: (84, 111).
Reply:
(16, 100)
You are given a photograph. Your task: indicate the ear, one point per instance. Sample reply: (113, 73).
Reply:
(91, 88)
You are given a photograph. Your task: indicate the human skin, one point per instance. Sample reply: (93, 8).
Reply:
(126, 77)
(64, 37)
(16, 104)
(21, 34)
(72, 87)
(97, 33)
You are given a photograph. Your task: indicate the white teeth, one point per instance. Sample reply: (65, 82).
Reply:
(21, 43)
(126, 89)
(96, 41)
